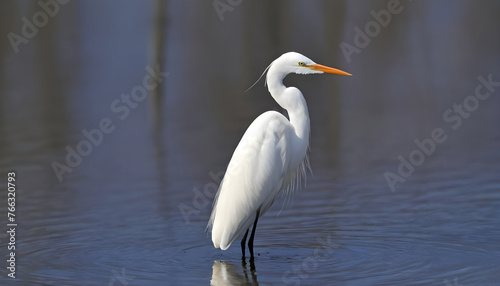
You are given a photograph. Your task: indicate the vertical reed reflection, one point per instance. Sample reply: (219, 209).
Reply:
(158, 59)
(51, 82)
(333, 17)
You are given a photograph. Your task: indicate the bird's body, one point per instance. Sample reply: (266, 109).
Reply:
(258, 183)
(270, 155)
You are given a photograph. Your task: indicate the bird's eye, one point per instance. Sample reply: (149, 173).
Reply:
(302, 64)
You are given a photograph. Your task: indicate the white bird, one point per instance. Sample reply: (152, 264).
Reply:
(270, 158)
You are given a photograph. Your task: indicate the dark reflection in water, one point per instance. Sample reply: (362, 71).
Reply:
(134, 210)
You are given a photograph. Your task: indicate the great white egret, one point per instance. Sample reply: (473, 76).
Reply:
(270, 158)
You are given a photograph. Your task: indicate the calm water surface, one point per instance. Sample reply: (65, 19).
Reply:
(134, 211)
(339, 230)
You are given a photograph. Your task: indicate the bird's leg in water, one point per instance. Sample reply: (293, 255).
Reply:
(252, 269)
(243, 240)
(250, 241)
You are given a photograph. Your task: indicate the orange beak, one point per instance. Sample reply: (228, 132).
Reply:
(328, 69)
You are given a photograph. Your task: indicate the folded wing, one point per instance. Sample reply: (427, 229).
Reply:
(255, 175)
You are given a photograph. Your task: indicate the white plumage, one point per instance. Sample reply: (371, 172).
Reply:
(270, 155)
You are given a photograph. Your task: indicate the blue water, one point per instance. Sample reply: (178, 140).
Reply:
(134, 210)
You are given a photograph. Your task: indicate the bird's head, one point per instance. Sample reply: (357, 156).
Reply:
(293, 62)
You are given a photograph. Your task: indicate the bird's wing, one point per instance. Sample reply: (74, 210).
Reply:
(253, 179)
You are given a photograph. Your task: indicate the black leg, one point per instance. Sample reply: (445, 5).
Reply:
(250, 241)
(243, 240)
(252, 270)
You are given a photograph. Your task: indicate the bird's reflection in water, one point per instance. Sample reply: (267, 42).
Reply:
(225, 273)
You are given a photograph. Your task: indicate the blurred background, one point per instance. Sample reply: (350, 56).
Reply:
(133, 209)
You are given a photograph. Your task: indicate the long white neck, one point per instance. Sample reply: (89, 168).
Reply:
(291, 99)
